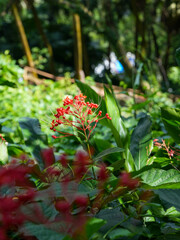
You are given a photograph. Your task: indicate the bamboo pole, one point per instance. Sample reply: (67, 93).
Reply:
(78, 58)
(22, 35)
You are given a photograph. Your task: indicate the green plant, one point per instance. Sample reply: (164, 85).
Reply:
(121, 186)
(10, 73)
(39, 56)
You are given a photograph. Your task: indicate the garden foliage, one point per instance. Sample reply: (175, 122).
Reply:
(93, 174)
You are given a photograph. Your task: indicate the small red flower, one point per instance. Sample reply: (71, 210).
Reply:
(100, 112)
(63, 207)
(3, 139)
(78, 114)
(107, 116)
(63, 160)
(102, 174)
(81, 201)
(81, 164)
(171, 153)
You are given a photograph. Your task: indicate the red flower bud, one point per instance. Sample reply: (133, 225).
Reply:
(102, 174)
(63, 206)
(107, 116)
(63, 160)
(48, 157)
(81, 201)
(127, 181)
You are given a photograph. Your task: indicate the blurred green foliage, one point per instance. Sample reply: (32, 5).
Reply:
(148, 29)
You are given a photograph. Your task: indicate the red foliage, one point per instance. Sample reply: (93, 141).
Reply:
(127, 181)
(48, 157)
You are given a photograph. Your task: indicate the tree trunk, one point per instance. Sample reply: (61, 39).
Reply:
(43, 35)
(140, 27)
(166, 59)
(159, 60)
(86, 65)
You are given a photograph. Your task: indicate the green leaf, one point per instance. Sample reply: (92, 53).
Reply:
(112, 91)
(101, 145)
(3, 152)
(141, 105)
(93, 225)
(171, 120)
(31, 124)
(5, 82)
(112, 217)
(87, 188)
(129, 161)
(107, 152)
(117, 165)
(159, 178)
(119, 232)
(169, 197)
(44, 204)
(121, 135)
(34, 138)
(118, 128)
(141, 143)
(115, 217)
(41, 232)
(177, 55)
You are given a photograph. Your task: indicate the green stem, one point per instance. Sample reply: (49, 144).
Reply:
(90, 156)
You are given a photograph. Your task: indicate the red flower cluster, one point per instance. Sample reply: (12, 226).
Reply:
(171, 152)
(79, 114)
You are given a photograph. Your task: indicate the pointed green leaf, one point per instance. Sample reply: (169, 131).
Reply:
(170, 197)
(117, 123)
(118, 128)
(129, 161)
(141, 143)
(159, 178)
(171, 120)
(5, 82)
(107, 152)
(93, 225)
(120, 232)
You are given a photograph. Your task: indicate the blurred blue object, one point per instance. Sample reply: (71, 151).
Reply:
(119, 67)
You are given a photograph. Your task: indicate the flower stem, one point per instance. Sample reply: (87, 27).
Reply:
(90, 156)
